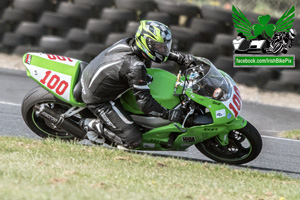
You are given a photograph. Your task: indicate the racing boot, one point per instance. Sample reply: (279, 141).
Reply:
(94, 129)
(115, 140)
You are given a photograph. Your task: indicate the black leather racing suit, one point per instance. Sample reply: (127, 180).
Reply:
(114, 71)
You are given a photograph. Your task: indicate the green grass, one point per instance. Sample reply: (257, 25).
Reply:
(294, 134)
(47, 169)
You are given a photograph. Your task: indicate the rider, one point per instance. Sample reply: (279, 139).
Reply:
(122, 67)
(285, 38)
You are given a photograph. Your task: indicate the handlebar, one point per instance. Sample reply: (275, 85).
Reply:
(177, 82)
(178, 78)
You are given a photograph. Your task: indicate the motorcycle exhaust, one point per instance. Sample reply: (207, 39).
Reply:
(59, 121)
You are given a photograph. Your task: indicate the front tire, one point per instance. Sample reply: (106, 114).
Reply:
(244, 146)
(39, 126)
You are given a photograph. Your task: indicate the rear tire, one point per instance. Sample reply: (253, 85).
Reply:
(244, 146)
(38, 125)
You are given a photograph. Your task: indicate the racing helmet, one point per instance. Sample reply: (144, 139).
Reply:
(154, 39)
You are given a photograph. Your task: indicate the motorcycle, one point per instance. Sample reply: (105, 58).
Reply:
(281, 41)
(209, 98)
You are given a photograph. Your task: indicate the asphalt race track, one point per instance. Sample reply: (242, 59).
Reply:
(278, 154)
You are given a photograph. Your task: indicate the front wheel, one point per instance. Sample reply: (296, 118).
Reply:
(244, 145)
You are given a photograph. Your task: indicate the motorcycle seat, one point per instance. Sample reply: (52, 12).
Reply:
(78, 87)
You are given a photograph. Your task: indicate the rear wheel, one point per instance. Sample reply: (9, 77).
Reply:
(244, 145)
(39, 126)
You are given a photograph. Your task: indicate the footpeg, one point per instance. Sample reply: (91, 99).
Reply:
(95, 138)
(90, 124)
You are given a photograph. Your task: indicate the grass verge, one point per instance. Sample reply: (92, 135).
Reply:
(48, 169)
(294, 134)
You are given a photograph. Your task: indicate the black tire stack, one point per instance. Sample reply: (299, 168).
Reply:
(83, 28)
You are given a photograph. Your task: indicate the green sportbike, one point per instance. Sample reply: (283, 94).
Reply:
(209, 98)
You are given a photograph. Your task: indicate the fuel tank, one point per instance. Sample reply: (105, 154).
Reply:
(161, 89)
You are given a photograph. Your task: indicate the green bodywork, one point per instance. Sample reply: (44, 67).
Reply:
(62, 68)
(159, 137)
(162, 88)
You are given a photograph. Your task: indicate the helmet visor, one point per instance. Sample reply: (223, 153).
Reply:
(162, 48)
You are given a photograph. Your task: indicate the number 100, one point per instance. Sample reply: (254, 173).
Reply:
(54, 82)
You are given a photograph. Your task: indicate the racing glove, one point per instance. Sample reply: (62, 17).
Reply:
(174, 115)
(184, 60)
(189, 61)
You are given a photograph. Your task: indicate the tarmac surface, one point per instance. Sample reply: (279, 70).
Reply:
(278, 154)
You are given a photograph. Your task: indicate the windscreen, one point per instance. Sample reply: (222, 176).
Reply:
(206, 80)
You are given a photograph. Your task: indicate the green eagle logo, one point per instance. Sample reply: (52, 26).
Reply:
(263, 28)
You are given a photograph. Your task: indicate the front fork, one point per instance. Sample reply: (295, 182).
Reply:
(238, 123)
(223, 139)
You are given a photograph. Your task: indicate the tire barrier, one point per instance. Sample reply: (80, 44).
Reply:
(54, 44)
(13, 15)
(206, 50)
(178, 9)
(30, 29)
(31, 6)
(161, 17)
(83, 28)
(56, 21)
(95, 4)
(136, 5)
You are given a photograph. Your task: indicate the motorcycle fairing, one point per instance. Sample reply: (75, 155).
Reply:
(221, 111)
(57, 74)
(161, 89)
(158, 138)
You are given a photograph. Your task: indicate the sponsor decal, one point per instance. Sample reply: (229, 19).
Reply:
(229, 115)
(262, 43)
(52, 119)
(216, 103)
(28, 59)
(57, 58)
(188, 139)
(220, 113)
(155, 141)
(149, 145)
(210, 129)
(105, 118)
